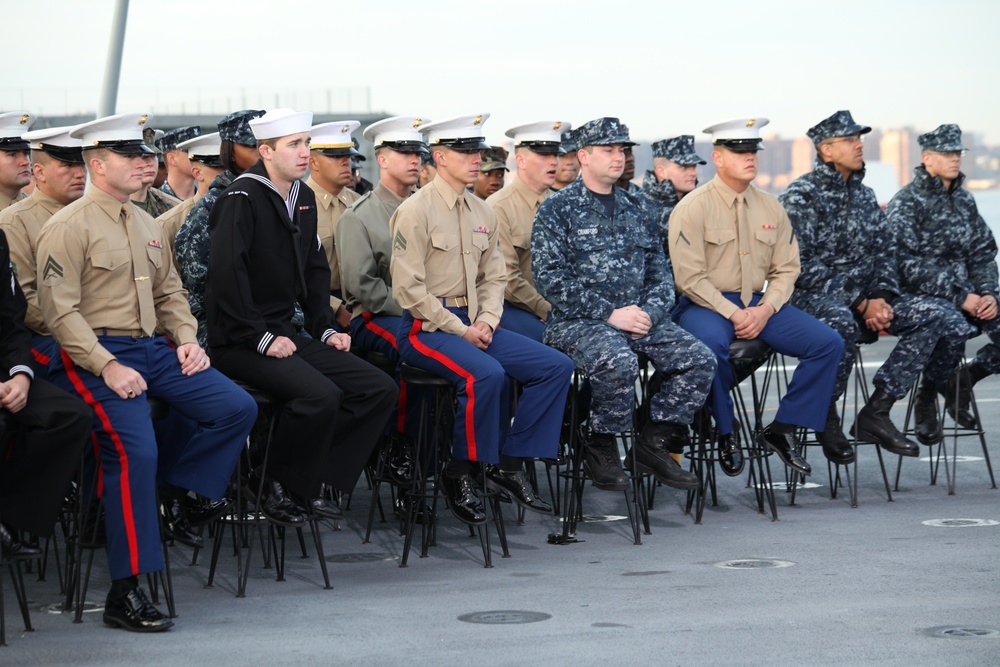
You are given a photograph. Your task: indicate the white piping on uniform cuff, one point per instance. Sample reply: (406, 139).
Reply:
(265, 342)
(327, 334)
(22, 369)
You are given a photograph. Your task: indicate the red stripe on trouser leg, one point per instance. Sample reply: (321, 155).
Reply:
(470, 381)
(381, 332)
(102, 415)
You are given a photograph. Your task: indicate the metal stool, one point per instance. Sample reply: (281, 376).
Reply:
(17, 578)
(850, 471)
(244, 519)
(375, 474)
(432, 451)
(746, 356)
(576, 477)
(954, 432)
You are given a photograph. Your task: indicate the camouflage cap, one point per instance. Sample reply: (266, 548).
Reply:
(678, 149)
(945, 139)
(568, 141)
(236, 127)
(602, 132)
(840, 124)
(152, 138)
(170, 138)
(493, 159)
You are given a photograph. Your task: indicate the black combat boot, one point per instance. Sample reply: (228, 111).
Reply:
(963, 386)
(925, 415)
(873, 425)
(836, 446)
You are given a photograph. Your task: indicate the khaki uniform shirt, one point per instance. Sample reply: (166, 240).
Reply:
(91, 281)
(365, 249)
(22, 223)
(172, 220)
(443, 242)
(515, 207)
(328, 212)
(704, 247)
(6, 201)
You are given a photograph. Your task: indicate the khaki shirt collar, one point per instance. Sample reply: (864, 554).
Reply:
(325, 197)
(448, 193)
(107, 203)
(729, 196)
(45, 201)
(387, 195)
(532, 198)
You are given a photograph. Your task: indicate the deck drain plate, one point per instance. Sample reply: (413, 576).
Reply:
(753, 563)
(359, 558)
(58, 608)
(600, 518)
(504, 617)
(960, 523)
(961, 632)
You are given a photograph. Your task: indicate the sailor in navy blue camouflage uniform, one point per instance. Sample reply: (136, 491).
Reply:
(448, 273)
(191, 244)
(946, 250)
(597, 259)
(674, 174)
(849, 281)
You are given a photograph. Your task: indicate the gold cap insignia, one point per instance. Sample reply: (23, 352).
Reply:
(751, 122)
(143, 118)
(25, 118)
(417, 122)
(557, 125)
(345, 129)
(479, 119)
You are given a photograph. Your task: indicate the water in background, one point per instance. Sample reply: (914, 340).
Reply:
(988, 202)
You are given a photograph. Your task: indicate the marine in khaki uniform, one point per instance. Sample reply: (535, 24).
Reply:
(331, 178)
(536, 152)
(105, 285)
(448, 273)
(365, 249)
(60, 179)
(15, 158)
(204, 154)
(726, 239)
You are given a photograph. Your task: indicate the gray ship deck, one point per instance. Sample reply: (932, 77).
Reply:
(868, 585)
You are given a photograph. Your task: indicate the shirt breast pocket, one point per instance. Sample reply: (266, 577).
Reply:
(764, 239)
(481, 242)
(112, 271)
(446, 243)
(720, 237)
(155, 256)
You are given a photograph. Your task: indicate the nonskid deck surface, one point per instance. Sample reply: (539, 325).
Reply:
(911, 582)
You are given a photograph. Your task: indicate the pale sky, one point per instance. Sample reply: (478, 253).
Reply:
(663, 68)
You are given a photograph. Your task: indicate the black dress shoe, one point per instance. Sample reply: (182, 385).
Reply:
(600, 457)
(462, 499)
(399, 464)
(651, 456)
(516, 485)
(325, 508)
(275, 503)
(14, 548)
(787, 448)
(202, 511)
(134, 612)
(731, 458)
(176, 524)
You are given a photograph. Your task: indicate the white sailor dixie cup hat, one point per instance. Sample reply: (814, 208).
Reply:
(280, 123)
(334, 139)
(462, 133)
(543, 137)
(56, 142)
(123, 133)
(740, 136)
(402, 134)
(205, 148)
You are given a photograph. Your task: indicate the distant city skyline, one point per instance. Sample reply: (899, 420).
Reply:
(663, 69)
